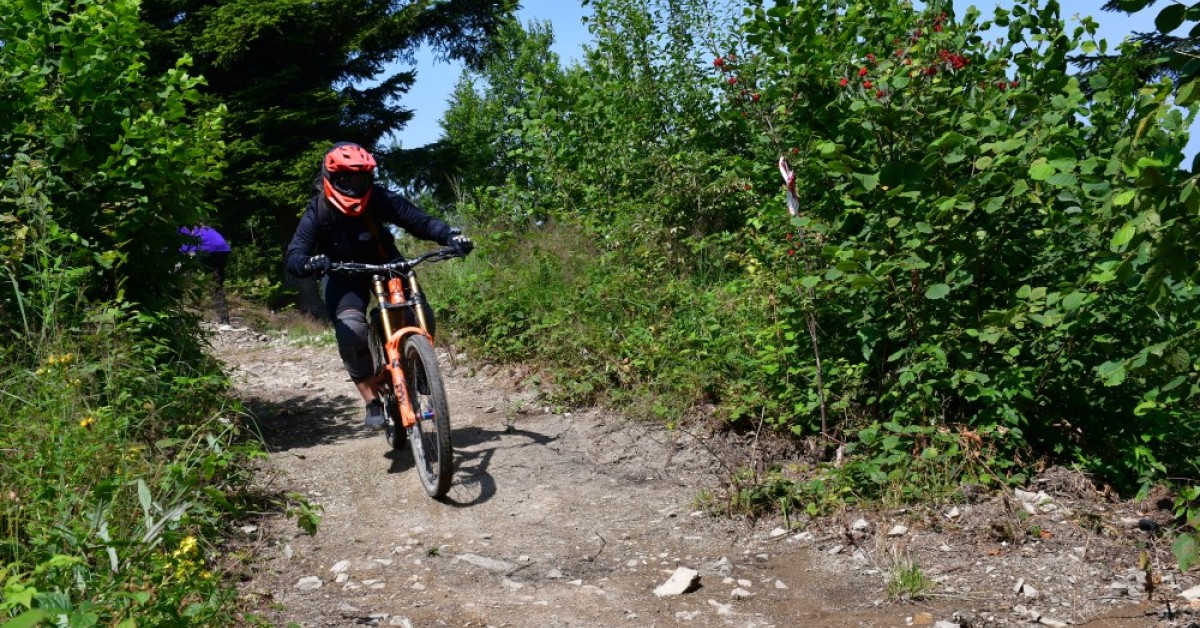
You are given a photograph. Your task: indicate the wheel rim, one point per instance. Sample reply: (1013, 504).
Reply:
(426, 426)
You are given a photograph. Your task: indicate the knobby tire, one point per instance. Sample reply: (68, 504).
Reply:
(430, 437)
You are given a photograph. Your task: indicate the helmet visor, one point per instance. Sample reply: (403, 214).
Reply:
(352, 184)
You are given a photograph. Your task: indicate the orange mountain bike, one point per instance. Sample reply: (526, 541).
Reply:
(409, 382)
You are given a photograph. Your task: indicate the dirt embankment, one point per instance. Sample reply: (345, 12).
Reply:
(574, 519)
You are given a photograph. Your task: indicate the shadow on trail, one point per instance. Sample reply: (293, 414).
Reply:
(402, 458)
(306, 421)
(474, 448)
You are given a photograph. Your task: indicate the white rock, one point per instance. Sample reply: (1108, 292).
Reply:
(404, 622)
(862, 525)
(723, 566)
(1017, 587)
(780, 585)
(342, 578)
(1192, 594)
(512, 584)
(724, 610)
(836, 549)
(679, 583)
(945, 624)
(898, 530)
(309, 583)
(1030, 593)
(687, 615)
(778, 532)
(340, 566)
(954, 513)
(740, 594)
(490, 564)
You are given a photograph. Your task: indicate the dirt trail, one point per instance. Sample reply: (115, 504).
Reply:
(573, 519)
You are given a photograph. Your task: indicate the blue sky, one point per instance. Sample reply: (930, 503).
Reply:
(435, 80)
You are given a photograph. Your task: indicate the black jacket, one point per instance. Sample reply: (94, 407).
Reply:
(350, 239)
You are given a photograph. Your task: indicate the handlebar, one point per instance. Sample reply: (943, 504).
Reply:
(398, 266)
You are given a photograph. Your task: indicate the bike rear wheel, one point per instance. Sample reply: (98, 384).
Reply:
(430, 436)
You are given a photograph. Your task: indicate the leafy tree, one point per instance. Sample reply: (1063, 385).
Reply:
(296, 75)
(102, 160)
(1163, 51)
(485, 104)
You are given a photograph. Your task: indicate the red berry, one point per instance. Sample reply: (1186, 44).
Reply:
(862, 71)
(879, 93)
(791, 252)
(733, 80)
(937, 28)
(1014, 84)
(754, 97)
(718, 62)
(795, 151)
(866, 84)
(870, 57)
(789, 236)
(747, 187)
(1002, 85)
(845, 81)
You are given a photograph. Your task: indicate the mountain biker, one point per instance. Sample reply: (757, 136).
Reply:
(211, 248)
(344, 222)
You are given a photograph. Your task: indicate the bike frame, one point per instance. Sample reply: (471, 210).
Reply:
(396, 294)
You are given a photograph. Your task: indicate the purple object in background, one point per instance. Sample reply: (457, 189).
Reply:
(203, 239)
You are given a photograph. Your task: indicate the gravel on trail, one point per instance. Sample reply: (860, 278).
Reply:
(585, 518)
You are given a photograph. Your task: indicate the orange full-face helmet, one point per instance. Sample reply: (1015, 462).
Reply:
(348, 171)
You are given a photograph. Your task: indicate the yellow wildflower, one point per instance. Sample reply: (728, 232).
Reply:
(187, 547)
(88, 422)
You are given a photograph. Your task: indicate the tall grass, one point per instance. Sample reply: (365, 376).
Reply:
(621, 321)
(122, 463)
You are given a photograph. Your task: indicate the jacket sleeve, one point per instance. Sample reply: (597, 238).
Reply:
(303, 244)
(405, 214)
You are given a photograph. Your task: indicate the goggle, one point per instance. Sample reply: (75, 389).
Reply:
(352, 184)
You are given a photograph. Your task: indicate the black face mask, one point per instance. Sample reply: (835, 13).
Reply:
(352, 184)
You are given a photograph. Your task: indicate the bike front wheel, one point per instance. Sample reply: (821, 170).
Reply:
(430, 436)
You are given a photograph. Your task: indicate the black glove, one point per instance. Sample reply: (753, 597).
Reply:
(318, 265)
(459, 241)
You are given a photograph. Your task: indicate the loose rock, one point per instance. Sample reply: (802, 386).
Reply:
(680, 582)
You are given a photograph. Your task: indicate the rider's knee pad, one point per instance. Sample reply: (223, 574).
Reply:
(350, 329)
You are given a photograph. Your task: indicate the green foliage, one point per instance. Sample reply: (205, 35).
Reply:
(989, 259)
(100, 161)
(120, 459)
(907, 581)
(120, 450)
(967, 246)
(296, 76)
(307, 514)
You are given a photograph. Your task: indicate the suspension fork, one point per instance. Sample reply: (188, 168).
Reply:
(392, 350)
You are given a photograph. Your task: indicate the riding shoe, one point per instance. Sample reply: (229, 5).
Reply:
(374, 418)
